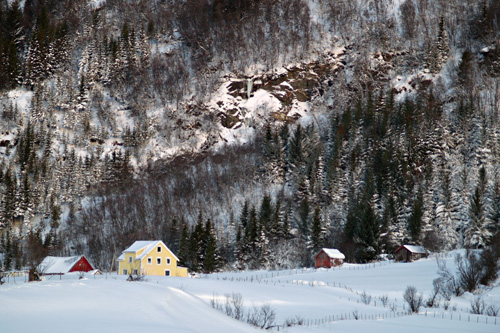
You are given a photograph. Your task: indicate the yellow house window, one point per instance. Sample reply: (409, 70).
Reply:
(158, 261)
(150, 260)
(158, 249)
(167, 272)
(129, 259)
(124, 272)
(168, 261)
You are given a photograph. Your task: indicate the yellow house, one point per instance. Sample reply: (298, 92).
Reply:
(149, 258)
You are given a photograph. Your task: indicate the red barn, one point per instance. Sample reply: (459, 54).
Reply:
(329, 258)
(63, 265)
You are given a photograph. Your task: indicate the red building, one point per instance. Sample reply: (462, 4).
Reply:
(329, 258)
(63, 265)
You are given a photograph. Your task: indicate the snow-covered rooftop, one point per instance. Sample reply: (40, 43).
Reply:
(415, 248)
(57, 265)
(334, 253)
(146, 245)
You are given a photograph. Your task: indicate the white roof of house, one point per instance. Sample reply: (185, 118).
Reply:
(415, 248)
(57, 265)
(334, 253)
(148, 246)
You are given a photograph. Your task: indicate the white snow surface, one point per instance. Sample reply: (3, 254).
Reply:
(321, 298)
(111, 305)
(21, 98)
(254, 111)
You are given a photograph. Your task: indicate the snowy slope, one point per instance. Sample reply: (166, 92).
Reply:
(110, 305)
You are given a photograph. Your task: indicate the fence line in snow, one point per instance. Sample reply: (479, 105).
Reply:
(471, 318)
(468, 317)
(9, 277)
(290, 272)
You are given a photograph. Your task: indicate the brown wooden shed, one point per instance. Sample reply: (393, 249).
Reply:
(410, 253)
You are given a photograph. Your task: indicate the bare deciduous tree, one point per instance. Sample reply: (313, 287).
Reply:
(433, 298)
(413, 299)
(477, 306)
(409, 20)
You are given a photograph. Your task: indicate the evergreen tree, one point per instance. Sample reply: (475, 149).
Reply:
(415, 220)
(184, 248)
(316, 231)
(263, 251)
(362, 230)
(494, 210)
(173, 236)
(244, 215)
(7, 250)
(477, 233)
(465, 68)
(369, 233)
(211, 257)
(286, 225)
(304, 211)
(442, 42)
(276, 231)
(265, 213)
(437, 53)
(9, 197)
(296, 153)
(197, 243)
(248, 256)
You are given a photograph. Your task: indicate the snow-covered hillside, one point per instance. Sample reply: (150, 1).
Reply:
(321, 300)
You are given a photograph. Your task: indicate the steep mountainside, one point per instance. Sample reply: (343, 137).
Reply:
(241, 132)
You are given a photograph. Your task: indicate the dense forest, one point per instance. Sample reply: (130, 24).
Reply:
(112, 128)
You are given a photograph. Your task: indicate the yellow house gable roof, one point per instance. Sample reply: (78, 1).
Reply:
(143, 248)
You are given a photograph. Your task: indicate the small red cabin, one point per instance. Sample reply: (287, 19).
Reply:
(329, 258)
(63, 265)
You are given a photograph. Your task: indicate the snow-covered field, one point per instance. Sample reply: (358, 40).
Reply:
(324, 300)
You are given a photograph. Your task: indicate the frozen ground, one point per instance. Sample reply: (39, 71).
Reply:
(324, 300)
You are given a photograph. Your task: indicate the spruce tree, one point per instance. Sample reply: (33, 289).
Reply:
(211, 258)
(9, 197)
(244, 215)
(304, 211)
(197, 246)
(275, 227)
(477, 233)
(494, 210)
(265, 213)
(296, 153)
(415, 219)
(183, 254)
(316, 230)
